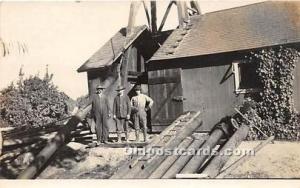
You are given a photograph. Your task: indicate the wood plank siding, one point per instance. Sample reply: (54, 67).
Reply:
(211, 90)
(165, 89)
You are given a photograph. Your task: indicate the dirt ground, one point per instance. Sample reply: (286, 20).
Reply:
(278, 160)
(79, 161)
(91, 163)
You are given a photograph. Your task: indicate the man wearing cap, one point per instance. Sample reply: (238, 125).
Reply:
(101, 114)
(140, 103)
(121, 112)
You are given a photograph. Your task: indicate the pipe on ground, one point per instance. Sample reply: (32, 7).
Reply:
(218, 162)
(197, 160)
(62, 137)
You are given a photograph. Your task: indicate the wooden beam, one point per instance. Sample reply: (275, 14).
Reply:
(191, 176)
(165, 165)
(150, 165)
(122, 68)
(180, 11)
(134, 7)
(153, 17)
(195, 5)
(185, 11)
(147, 13)
(179, 164)
(125, 168)
(165, 16)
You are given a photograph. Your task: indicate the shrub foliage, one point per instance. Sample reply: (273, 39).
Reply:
(32, 102)
(274, 111)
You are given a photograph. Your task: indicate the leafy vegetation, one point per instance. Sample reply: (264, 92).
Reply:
(274, 110)
(33, 102)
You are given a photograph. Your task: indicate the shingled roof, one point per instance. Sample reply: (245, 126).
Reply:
(241, 28)
(111, 50)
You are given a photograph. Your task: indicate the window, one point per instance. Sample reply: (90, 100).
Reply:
(245, 77)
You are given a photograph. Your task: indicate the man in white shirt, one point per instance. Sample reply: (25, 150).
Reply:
(140, 103)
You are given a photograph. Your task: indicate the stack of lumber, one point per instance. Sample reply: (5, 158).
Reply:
(183, 134)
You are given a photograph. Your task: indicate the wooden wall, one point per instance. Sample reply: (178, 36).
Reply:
(164, 88)
(211, 90)
(108, 77)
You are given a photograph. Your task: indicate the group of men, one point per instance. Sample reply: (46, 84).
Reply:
(124, 109)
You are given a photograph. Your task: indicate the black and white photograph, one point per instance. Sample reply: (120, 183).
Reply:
(144, 90)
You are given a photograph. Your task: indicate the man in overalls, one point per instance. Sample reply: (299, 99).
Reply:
(140, 103)
(101, 112)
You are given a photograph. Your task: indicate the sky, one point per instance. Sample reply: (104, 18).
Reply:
(63, 35)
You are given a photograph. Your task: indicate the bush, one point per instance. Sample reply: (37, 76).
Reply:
(274, 110)
(33, 102)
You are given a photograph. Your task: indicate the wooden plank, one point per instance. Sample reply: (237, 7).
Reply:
(181, 13)
(126, 166)
(164, 166)
(179, 164)
(148, 167)
(153, 17)
(147, 13)
(195, 5)
(134, 6)
(165, 16)
(191, 176)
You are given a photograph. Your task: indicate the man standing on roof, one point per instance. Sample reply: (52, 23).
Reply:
(121, 112)
(101, 112)
(140, 103)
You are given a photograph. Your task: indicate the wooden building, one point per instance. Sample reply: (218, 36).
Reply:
(200, 66)
(102, 68)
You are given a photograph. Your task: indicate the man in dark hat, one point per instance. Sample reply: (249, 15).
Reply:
(121, 112)
(141, 103)
(101, 112)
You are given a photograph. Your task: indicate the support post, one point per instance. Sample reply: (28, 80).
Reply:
(165, 16)
(153, 17)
